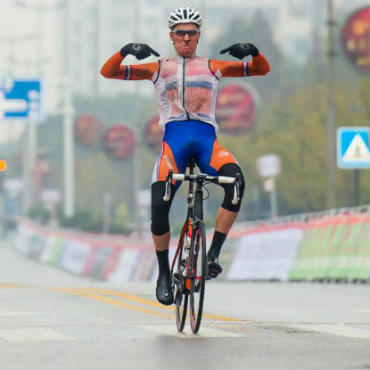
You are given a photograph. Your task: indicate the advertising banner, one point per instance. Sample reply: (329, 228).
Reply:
(266, 255)
(48, 249)
(97, 260)
(74, 256)
(128, 259)
(335, 247)
(331, 247)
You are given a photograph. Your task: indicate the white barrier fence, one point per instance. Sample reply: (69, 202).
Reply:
(286, 249)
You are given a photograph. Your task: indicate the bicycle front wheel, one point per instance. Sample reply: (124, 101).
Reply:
(178, 284)
(198, 277)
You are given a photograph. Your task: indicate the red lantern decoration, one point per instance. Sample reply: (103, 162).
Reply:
(235, 109)
(355, 39)
(88, 130)
(153, 134)
(119, 142)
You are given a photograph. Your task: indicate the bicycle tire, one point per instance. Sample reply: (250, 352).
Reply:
(197, 284)
(181, 310)
(180, 294)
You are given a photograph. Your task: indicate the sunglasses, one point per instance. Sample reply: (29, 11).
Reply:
(182, 33)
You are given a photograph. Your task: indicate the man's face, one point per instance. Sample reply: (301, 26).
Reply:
(185, 43)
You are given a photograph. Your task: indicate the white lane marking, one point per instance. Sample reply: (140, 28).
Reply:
(336, 329)
(20, 313)
(187, 334)
(32, 335)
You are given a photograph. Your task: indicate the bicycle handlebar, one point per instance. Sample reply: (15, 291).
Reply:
(204, 178)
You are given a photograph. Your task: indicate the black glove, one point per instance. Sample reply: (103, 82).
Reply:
(241, 50)
(141, 51)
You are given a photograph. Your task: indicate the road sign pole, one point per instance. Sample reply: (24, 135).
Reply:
(356, 180)
(27, 170)
(273, 199)
(330, 119)
(268, 166)
(30, 160)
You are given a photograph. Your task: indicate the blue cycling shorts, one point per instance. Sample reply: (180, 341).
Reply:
(183, 140)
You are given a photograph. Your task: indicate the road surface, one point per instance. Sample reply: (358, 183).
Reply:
(52, 320)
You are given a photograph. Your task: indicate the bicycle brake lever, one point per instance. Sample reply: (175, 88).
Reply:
(236, 195)
(167, 193)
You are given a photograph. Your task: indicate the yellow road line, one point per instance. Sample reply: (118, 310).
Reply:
(155, 304)
(9, 285)
(132, 297)
(115, 302)
(221, 318)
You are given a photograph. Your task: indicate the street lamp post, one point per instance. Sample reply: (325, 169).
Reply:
(12, 42)
(68, 147)
(30, 151)
(137, 131)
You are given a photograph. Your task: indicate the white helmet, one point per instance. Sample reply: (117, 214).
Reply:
(184, 15)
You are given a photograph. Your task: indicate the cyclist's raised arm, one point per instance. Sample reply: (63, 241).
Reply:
(257, 67)
(112, 68)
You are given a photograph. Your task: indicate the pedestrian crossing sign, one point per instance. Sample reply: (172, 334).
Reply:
(353, 150)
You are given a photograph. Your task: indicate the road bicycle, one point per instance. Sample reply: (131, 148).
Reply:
(189, 266)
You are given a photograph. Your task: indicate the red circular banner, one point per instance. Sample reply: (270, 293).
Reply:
(118, 142)
(153, 134)
(235, 109)
(356, 40)
(88, 130)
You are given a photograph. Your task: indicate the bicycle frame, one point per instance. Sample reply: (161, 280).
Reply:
(194, 212)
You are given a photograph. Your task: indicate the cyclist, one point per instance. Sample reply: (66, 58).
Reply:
(186, 87)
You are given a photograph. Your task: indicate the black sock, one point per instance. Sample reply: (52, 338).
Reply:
(218, 240)
(164, 267)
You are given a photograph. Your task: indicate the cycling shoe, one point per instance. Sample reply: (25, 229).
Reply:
(164, 291)
(214, 268)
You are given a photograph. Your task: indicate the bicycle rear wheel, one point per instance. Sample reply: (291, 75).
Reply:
(197, 284)
(180, 293)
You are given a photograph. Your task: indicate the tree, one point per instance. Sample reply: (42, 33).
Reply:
(297, 134)
(258, 31)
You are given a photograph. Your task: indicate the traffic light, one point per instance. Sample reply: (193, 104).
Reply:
(3, 165)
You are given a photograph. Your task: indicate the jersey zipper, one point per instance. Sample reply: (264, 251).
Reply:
(183, 87)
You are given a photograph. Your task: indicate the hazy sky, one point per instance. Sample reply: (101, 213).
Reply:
(22, 56)
(19, 22)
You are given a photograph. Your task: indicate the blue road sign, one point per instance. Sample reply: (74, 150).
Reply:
(353, 149)
(21, 99)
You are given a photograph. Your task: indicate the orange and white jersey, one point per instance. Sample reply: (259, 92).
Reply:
(186, 87)
(186, 90)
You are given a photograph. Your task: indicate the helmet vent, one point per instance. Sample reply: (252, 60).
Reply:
(184, 15)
